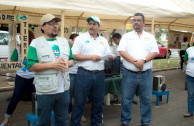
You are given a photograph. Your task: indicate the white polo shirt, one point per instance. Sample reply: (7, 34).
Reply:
(85, 44)
(189, 57)
(138, 48)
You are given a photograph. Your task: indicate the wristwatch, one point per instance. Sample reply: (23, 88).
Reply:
(144, 60)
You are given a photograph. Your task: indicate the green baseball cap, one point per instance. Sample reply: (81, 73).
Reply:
(95, 18)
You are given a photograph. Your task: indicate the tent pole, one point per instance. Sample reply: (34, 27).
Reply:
(62, 22)
(152, 30)
(153, 27)
(78, 22)
(191, 40)
(14, 9)
(125, 23)
(14, 35)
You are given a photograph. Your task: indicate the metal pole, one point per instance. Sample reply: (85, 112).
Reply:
(62, 23)
(153, 27)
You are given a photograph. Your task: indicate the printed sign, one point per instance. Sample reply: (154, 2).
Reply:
(23, 19)
(10, 65)
(7, 17)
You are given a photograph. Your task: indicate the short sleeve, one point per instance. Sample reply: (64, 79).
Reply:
(122, 45)
(76, 48)
(70, 54)
(154, 45)
(186, 56)
(32, 57)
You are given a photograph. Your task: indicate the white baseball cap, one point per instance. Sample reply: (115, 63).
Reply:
(95, 18)
(48, 17)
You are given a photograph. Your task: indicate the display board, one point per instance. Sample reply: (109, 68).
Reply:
(15, 19)
(176, 37)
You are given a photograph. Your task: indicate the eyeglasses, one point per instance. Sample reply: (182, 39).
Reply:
(138, 20)
(52, 23)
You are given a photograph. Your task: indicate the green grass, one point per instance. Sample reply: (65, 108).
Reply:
(162, 64)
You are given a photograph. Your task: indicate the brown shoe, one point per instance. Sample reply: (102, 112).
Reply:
(124, 124)
(187, 115)
(145, 124)
(114, 101)
(83, 119)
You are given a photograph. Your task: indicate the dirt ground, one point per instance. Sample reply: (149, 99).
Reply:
(170, 114)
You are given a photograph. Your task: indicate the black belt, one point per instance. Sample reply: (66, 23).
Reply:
(92, 71)
(137, 72)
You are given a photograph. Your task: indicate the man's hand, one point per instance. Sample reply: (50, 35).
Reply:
(111, 58)
(61, 64)
(139, 64)
(95, 58)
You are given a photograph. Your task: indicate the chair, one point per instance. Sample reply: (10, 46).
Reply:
(159, 95)
(34, 119)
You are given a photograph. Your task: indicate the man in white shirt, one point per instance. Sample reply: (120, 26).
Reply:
(116, 40)
(87, 50)
(137, 48)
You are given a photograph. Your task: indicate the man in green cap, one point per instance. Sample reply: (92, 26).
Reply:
(87, 50)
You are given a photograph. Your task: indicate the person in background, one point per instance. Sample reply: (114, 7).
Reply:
(72, 39)
(192, 44)
(23, 81)
(73, 76)
(87, 50)
(189, 61)
(116, 39)
(49, 57)
(138, 48)
(184, 46)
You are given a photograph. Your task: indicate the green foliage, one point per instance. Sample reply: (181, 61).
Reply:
(158, 34)
(162, 64)
(83, 30)
(129, 30)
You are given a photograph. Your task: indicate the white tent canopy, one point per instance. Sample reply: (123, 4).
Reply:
(113, 13)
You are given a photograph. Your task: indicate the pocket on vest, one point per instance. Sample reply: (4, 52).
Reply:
(46, 83)
(67, 81)
(46, 58)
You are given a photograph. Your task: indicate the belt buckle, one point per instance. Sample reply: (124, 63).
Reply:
(95, 71)
(139, 72)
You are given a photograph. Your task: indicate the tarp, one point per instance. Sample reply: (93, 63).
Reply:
(113, 13)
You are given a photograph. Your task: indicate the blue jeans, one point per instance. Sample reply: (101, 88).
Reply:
(88, 82)
(21, 85)
(71, 90)
(58, 103)
(121, 67)
(190, 89)
(130, 82)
